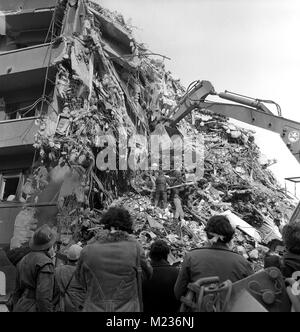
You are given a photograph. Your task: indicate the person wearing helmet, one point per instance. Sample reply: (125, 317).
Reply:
(71, 293)
(35, 286)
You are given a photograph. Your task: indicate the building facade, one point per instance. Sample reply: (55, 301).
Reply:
(55, 60)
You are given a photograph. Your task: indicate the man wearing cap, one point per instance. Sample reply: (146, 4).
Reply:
(35, 289)
(72, 294)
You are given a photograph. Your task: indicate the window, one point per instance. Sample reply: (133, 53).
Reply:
(18, 110)
(9, 186)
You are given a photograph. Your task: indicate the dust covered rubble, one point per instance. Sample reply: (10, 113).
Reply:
(110, 90)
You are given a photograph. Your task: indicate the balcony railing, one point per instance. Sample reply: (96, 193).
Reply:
(18, 132)
(26, 67)
(21, 6)
(29, 58)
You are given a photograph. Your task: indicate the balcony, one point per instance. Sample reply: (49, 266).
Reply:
(24, 59)
(26, 67)
(17, 133)
(17, 6)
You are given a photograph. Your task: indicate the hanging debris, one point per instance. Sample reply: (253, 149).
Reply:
(108, 89)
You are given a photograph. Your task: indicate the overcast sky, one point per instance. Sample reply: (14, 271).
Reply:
(249, 47)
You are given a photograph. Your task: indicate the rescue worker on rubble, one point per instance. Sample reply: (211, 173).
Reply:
(290, 261)
(179, 214)
(71, 293)
(214, 260)
(35, 289)
(112, 267)
(161, 194)
(158, 292)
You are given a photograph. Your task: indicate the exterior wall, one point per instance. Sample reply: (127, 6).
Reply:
(22, 74)
(16, 161)
(28, 5)
(15, 133)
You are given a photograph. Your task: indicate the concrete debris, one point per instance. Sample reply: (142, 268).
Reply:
(254, 254)
(108, 84)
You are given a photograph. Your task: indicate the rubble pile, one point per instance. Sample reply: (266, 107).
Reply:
(107, 86)
(237, 177)
(152, 223)
(102, 97)
(107, 93)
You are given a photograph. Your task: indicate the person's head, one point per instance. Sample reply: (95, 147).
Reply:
(156, 173)
(73, 253)
(118, 219)
(219, 230)
(43, 239)
(291, 237)
(159, 250)
(177, 174)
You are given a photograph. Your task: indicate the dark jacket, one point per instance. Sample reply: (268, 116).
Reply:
(71, 293)
(288, 264)
(108, 271)
(291, 264)
(35, 287)
(161, 183)
(217, 260)
(158, 292)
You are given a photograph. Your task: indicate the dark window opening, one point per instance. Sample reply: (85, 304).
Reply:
(31, 28)
(20, 110)
(9, 186)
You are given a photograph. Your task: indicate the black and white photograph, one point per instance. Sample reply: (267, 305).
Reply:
(149, 159)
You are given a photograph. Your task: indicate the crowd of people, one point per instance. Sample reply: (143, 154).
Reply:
(113, 274)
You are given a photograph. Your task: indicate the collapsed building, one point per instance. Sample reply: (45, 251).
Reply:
(71, 75)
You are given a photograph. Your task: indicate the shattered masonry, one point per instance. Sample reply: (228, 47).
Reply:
(107, 83)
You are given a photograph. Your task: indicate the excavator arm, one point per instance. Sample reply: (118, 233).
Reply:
(289, 130)
(190, 101)
(248, 110)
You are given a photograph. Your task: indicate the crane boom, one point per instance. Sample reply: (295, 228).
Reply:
(190, 101)
(247, 110)
(289, 130)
